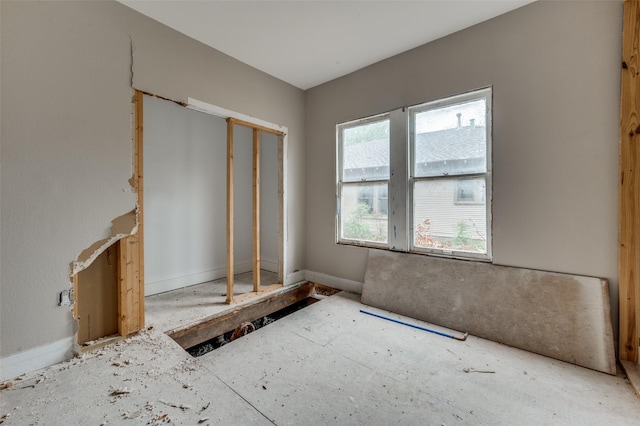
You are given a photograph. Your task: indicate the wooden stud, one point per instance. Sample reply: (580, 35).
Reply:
(123, 288)
(75, 296)
(139, 184)
(129, 286)
(230, 259)
(281, 210)
(255, 126)
(629, 186)
(131, 248)
(256, 210)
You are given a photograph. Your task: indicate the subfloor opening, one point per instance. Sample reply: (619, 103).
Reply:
(248, 327)
(224, 327)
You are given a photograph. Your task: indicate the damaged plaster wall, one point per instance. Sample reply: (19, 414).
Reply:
(67, 77)
(66, 159)
(555, 72)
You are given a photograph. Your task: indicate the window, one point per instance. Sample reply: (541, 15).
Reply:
(363, 181)
(469, 191)
(432, 163)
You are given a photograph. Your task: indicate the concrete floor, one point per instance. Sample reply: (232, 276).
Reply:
(325, 364)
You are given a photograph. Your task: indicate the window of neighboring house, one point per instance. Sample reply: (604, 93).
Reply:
(469, 191)
(439, 154)
(363, 181)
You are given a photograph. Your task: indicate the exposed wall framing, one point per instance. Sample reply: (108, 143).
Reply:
(131, 248)
(256, 209)
(256, 202)
(230, 257)
(629, 186)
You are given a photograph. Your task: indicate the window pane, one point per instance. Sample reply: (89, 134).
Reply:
(451, 140)
(365, 154)
(363, 209)
(441, 220)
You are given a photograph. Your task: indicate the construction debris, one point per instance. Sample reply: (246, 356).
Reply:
(174, 405)
(120, 391)
(473, 370)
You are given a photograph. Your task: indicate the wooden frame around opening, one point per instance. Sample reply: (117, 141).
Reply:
(131, 254)
(256, 202)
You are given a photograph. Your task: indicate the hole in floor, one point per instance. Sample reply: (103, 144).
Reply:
(248, 327)
(217, 330)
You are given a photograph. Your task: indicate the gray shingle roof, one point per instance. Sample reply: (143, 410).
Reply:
(443, 145)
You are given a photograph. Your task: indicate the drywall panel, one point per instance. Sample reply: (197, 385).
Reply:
(555, 69)
(68, 69)
(185, 193)
(532, 313)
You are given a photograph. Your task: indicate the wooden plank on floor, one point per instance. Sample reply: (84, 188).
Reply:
(629, 186)
(223, 322)
(243, 297)
(633, 374)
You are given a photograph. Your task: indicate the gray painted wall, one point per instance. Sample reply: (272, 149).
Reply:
(554, 68)
(66, 141)
(66, 113)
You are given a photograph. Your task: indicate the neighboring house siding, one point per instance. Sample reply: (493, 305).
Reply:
(444, 213)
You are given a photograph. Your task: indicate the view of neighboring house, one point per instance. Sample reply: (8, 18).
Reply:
(447, 211)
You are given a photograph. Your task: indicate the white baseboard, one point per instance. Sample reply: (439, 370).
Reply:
(269, 265)
(162, 286)
(294, 278)
(335, 282)
(187, 280)
(34, 359)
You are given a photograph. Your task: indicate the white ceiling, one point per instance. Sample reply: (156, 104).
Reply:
(307, 43)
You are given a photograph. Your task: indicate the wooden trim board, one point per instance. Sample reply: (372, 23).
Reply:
(629, 186)
(632, 370)
(255, 126)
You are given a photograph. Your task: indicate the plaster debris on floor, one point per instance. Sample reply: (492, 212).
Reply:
(324, 364)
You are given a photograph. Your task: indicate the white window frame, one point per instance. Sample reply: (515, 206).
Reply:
(341, 183)
(402, 177)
